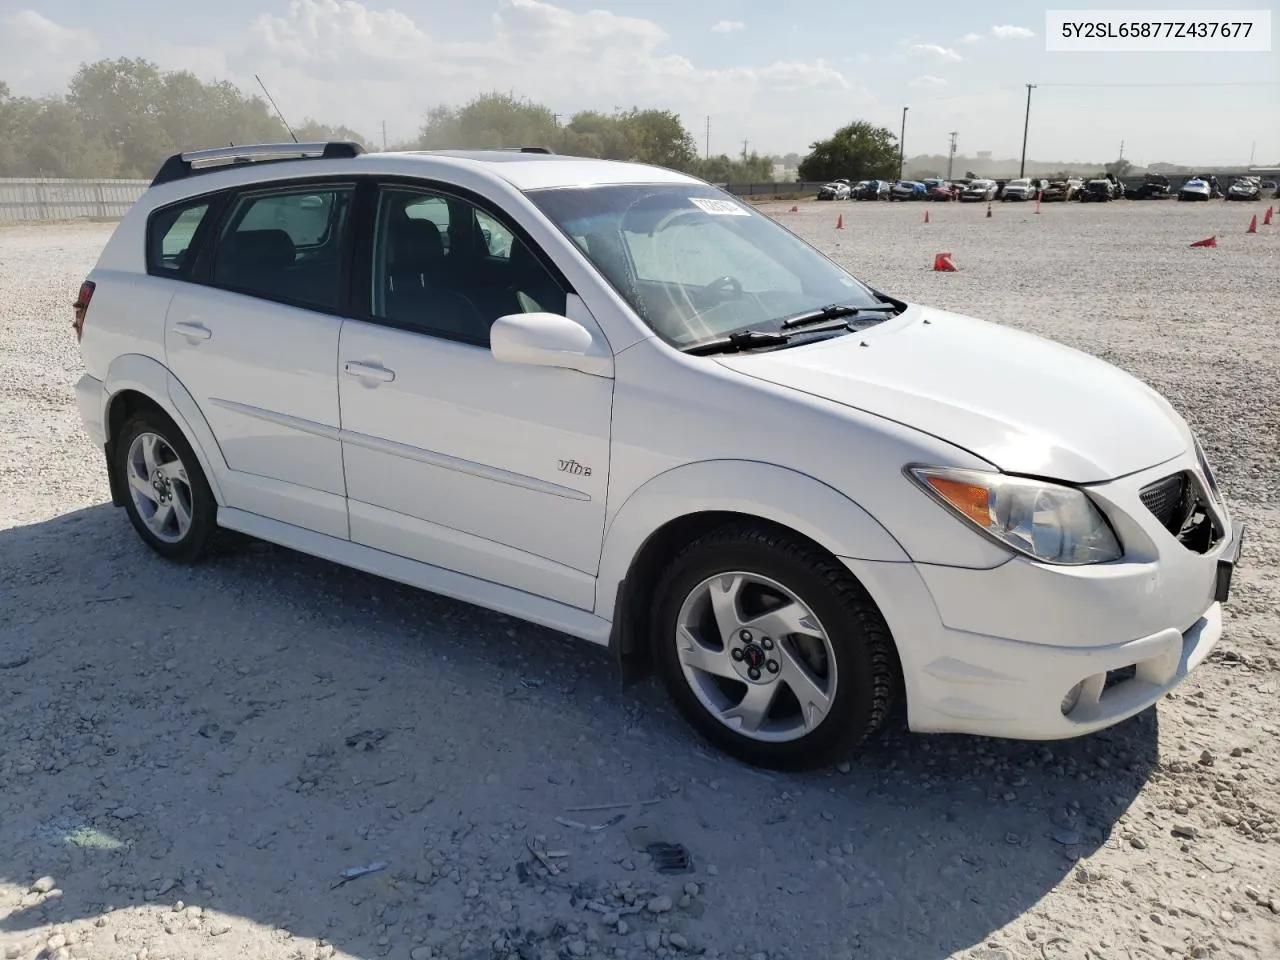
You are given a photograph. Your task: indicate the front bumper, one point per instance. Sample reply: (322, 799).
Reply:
(999, 652)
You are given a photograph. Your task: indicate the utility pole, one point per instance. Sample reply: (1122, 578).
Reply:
(1121, 149)
(384, 136)
(708, 138)
(952, 155)
(1026, 125)
(744, 151)
(902, 143)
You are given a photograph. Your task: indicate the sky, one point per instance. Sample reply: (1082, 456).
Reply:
(778, 76)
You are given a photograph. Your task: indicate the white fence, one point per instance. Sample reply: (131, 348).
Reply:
(37, 199)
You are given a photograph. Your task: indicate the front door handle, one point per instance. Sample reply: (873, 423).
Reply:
(192, 331)
(368, 371)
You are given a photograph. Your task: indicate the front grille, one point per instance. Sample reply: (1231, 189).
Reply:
(1166, 501)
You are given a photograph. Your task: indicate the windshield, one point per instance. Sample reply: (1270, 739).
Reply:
(695, 263)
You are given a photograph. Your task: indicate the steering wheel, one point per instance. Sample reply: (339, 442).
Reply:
(725, 284)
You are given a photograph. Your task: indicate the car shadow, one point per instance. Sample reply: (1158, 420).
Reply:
(238, 733)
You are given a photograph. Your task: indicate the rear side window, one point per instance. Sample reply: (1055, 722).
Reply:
(286, 246)
(170, 235)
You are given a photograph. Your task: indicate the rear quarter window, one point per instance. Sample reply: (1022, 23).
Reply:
(171, 235)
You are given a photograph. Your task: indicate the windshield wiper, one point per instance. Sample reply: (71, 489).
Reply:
(831, 312)
(740, 340)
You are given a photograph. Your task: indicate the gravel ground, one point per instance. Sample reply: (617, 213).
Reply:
(190, 758)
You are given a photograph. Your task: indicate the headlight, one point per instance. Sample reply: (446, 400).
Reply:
(1045, 521)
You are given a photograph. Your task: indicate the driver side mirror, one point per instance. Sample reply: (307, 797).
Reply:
(549, 340)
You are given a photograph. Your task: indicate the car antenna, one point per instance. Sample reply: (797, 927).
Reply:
(277, 109)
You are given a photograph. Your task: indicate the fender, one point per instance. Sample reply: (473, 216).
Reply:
(151, 378)
(783, 496)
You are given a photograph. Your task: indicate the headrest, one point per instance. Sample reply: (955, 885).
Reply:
(415, 241)
(264, 248)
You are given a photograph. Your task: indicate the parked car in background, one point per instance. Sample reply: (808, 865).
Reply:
(855, 192)
(1024, 188)
(907, 190)
(835, 190)
(1102, 190)
(1062, 190)
(1245, 188)
(943, 190)
(1154, 187)
(1194, 189)
(978, 190)
(1014, 536)
(874, 190)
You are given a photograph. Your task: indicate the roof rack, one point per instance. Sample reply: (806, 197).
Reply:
(183, 165)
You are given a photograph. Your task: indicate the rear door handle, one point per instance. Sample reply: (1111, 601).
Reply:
(193, 331)
(368, 371)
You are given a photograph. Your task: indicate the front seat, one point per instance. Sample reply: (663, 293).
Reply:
(417, 294)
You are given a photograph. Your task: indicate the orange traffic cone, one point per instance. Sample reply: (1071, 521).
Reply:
(988, 208)
(1207, 242)
(1266, 221)
(942, 263)
(840, 222)
(926, 216)
(1253, 225)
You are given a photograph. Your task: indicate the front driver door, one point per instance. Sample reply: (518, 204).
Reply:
(493, 470)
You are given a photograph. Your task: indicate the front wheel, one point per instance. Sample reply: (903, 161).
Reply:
(771, 649)
(166, 494)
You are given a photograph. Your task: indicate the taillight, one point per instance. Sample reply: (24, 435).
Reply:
(82, 306)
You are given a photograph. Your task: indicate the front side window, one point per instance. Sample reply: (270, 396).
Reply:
(170, 234)
(286, 245)
(444, 267)
(694, 263)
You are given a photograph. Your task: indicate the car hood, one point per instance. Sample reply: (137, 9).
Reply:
(1022, 403)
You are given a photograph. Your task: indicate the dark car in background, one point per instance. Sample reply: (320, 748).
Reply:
(874, 190)
(1153, 187)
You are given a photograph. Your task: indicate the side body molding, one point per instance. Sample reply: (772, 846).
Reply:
(763, 490)
(152, 379)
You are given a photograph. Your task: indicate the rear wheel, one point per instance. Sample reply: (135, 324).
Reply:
(771, 649)
(167, 496)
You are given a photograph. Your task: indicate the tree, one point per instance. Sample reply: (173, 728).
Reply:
(658, 137)
(312, 131)
(490, 120)
(1119, 168)
(858, 151)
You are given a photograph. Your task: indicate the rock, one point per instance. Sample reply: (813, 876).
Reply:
(844, 766)
(652, 941)
(691, 888)
(1137, 843)
(685, 901)
(577, 948)
(13, 953)
(426, 873)
(679, 941)
(420, 953)
(124, 813)
(661, 904)
(219, 929)
(56, 942)
(1184, 830)
(1067, 838)
(43, 885)
(1206, 758)
(623, 928)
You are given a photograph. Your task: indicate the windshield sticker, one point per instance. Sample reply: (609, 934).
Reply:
(721, 208)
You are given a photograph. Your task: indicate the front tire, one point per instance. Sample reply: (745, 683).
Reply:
(771, 649)
(166, 494)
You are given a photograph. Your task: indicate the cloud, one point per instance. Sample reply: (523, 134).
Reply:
(728, 26)
(38, 54)
(971, 38)
(939, 53)
(927, 82)
(1012, 33)
(346, 62)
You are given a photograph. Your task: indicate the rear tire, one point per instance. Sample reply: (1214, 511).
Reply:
(771, 649)
(166, 494)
